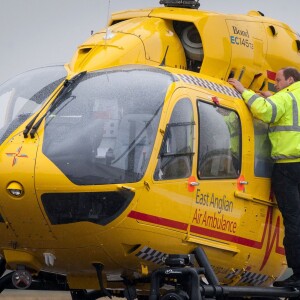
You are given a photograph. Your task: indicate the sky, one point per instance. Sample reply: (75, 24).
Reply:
(35, 33)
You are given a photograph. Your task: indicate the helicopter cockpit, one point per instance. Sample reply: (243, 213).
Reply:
(102, 131)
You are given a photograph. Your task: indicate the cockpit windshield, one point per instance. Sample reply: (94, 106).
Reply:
(102, 130)
(24, 94)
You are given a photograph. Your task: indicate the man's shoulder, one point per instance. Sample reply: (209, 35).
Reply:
(293, 87)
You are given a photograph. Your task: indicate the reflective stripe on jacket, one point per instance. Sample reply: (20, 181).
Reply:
(281, 112)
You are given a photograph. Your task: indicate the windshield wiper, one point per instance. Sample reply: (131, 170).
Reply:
(28, 126)
(68, 85)
(138, 136)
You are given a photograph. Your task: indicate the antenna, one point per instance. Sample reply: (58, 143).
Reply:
(180, 3)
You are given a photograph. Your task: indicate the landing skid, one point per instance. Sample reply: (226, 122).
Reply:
(177, 280)
(191, 288)
(184, 283)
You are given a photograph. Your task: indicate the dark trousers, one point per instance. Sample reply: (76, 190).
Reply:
(286, 186)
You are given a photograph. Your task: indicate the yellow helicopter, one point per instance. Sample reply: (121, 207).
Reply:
(137, 171)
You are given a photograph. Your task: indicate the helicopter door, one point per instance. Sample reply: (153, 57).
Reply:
(168, 199)
(215, 215)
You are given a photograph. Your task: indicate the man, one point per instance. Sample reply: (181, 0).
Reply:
(282, 112)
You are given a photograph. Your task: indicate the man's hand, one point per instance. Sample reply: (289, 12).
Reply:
(265, 94)
(236, 84)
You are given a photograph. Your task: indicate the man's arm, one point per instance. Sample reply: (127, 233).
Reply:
(262, 107)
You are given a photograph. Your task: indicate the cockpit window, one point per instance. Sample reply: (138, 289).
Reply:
(24, 94)
(219, 142)
(102, 131)
(263, 163)
(176, 153)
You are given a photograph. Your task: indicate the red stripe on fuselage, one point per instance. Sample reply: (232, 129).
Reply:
(226, 237)
(157, 220)
(221, 235)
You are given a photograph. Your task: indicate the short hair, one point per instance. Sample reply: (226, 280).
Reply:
(291, 72)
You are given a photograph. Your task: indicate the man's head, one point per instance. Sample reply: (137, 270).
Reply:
(285, 77)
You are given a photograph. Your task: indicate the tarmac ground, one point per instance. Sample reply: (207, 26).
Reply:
(38, 295)
(34, 295)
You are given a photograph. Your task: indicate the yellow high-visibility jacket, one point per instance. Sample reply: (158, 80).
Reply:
(282, 112)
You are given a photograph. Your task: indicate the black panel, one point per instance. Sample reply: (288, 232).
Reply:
(99, 208)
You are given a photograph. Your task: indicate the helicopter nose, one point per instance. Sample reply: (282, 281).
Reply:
(20, 208)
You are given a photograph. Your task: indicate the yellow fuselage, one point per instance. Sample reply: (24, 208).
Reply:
(233, 217)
